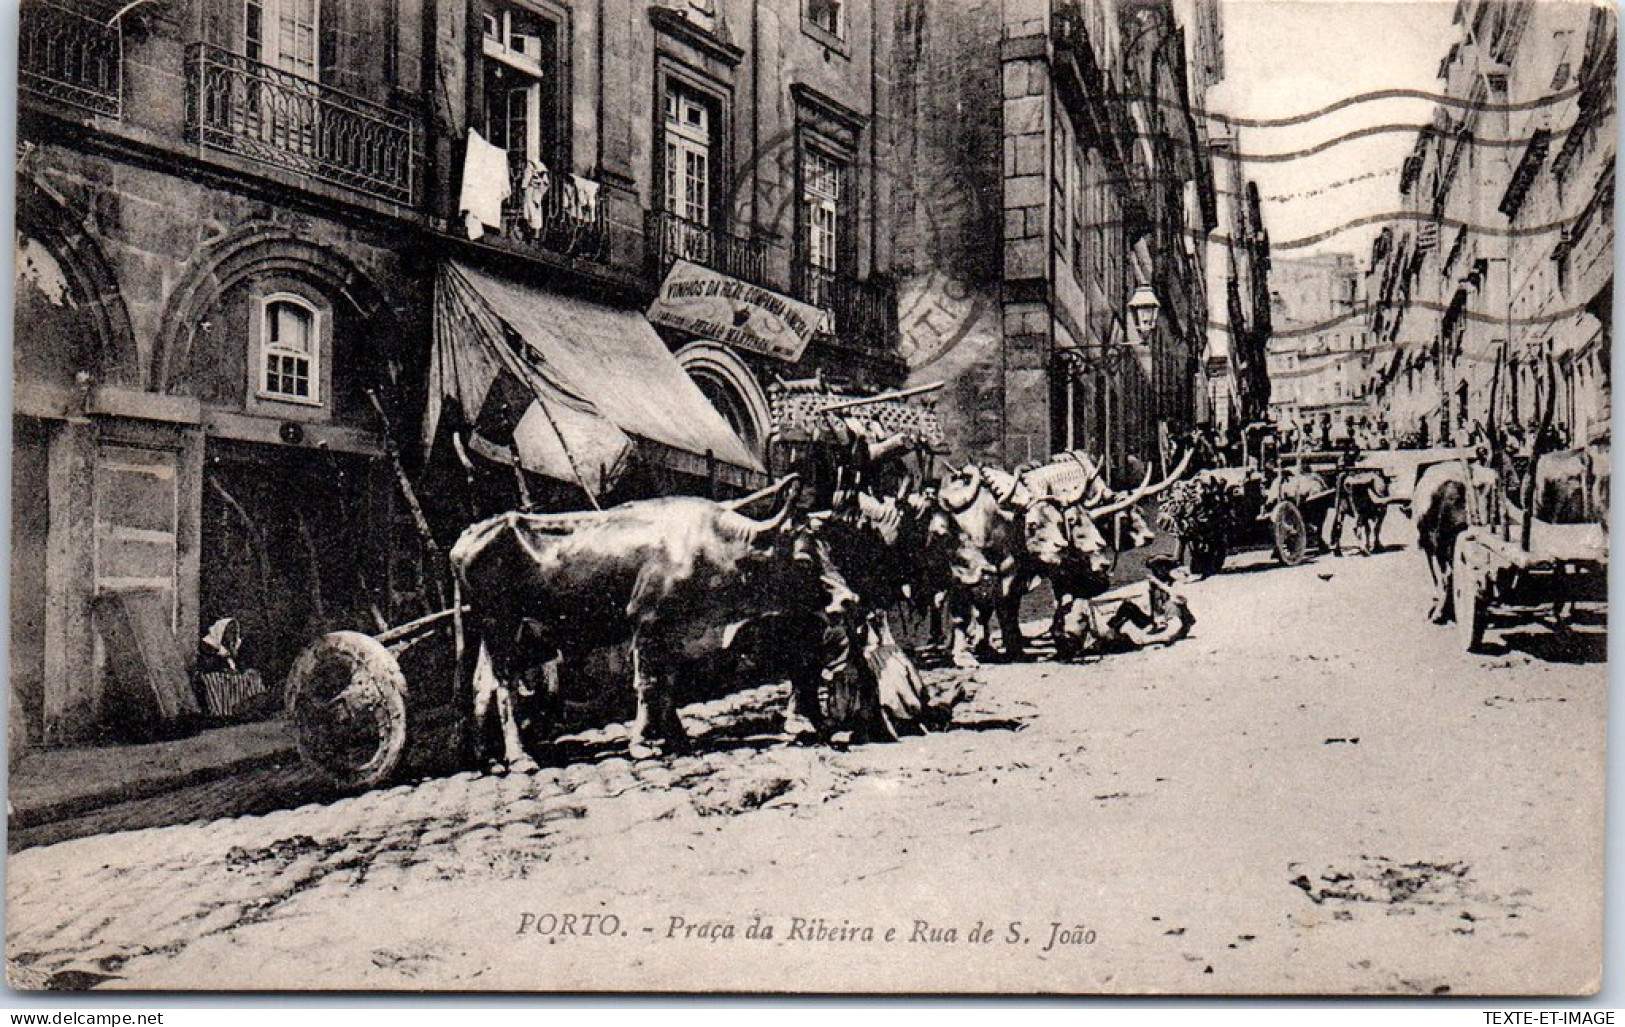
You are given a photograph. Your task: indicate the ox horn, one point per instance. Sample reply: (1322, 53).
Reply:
(748, 527)
(759, 495)
(1141, 493)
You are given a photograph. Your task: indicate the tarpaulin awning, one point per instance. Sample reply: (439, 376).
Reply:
(569, 387)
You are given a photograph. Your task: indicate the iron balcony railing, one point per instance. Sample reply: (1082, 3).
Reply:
(241, 106)
(71, 58)
(560, 213)
(862, 314)
(673, 238)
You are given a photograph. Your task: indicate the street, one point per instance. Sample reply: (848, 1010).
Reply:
(1318, 791)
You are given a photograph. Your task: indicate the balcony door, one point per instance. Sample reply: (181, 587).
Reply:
(688, 176)
(283, 101)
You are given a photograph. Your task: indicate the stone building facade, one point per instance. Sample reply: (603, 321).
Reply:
(1320, 354)
(1064, 132)
(1504, 260)
(234, 219)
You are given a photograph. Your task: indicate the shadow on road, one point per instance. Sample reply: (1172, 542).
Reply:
(1554, 646)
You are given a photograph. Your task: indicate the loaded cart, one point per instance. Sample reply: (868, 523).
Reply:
(1497, 581)
(1288, 503)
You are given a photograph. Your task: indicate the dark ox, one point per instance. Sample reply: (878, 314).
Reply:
(1571, 487)
(1364, 501)
(1440, 505)
(677, 579)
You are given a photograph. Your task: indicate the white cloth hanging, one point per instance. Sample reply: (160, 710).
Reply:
(581, 202)
(537, 180)
(486, 185)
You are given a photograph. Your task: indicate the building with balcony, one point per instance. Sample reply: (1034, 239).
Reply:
(274, 256)
(1494, 294)
(1063, 130)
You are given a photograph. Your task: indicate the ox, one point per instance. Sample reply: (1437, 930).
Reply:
(1364, 500)
(1571, 487)
(1008, 535)
(677, 578)
(1440, 502)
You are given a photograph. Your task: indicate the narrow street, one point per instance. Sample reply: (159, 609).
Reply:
(1316, 792)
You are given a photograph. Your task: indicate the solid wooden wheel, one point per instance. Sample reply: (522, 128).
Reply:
(346, 696)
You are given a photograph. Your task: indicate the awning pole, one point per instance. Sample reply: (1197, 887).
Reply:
(411, 497)
(575, 468)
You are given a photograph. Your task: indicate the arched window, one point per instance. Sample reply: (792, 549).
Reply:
(290, 350)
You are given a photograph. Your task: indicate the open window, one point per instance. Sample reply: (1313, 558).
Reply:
(522, 70)
(825, 21)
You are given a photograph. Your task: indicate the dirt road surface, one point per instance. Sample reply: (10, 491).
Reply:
(1316, 792)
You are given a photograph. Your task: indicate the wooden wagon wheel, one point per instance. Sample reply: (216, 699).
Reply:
(1291, 538)
(346, 696)
(1472, 603)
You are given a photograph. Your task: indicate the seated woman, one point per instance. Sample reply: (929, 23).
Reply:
(1119, 624)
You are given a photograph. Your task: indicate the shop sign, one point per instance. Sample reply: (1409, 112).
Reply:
(716, 306)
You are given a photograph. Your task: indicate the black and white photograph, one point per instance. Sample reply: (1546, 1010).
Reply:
(810, 497)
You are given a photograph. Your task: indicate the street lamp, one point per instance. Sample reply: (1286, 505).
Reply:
(1144, 308)
(1105, 360)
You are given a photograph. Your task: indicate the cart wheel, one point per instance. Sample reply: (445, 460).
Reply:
(346, 696)
(1472, 605)
(1291, 538)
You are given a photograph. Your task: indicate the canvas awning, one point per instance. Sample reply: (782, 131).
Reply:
(569, 387)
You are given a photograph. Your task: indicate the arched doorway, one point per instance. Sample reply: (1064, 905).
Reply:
(728, 383)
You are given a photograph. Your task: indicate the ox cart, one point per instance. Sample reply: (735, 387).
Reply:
(364, 706)
(1292, 504)
(1498, 581)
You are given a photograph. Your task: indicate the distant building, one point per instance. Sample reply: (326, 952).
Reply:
(1233, 379)
(1048, 177)
(1320, 354)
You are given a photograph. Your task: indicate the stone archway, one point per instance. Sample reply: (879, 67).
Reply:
(730, 385)
(261, 251)
(87, 281)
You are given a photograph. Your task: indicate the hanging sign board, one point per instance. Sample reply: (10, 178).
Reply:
(749, 317)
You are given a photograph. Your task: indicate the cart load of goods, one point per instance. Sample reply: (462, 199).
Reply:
(1203, 512)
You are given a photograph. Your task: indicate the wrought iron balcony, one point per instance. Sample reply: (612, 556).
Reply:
(560, 213)
(70, 58)
(862, 314)
(672, 238)
(240, 106)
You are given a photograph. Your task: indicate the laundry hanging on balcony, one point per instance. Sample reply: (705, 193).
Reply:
(533, 192)
(486, 184)
(581, 202)
(570, 389)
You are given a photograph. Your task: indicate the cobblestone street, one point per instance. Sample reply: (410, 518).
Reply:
(1317, 791)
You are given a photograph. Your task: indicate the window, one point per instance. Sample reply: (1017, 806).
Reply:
(821, 199)
(521, 71)
(283, 34)
(827, 16)
(290, 350)
(689, 177)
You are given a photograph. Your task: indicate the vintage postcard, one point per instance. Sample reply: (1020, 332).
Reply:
(817, 496)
